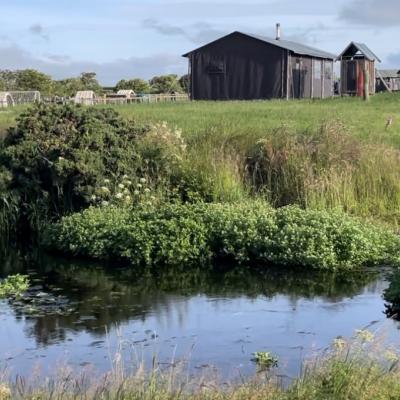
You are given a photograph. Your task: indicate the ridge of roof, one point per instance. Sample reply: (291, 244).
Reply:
(364, 49)
(285, 44)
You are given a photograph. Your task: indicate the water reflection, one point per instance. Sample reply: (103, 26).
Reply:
(228, 313)
(88, 297)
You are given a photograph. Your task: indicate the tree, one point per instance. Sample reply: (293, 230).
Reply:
(8, 80)
(137, 85)
(165, 84)
(184, 81)
(30, 79)
(68, 87)
(89, 81)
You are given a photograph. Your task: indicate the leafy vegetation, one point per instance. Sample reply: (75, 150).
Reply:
(251, 232)
(13, 285)
(265, 360)
(55, 157)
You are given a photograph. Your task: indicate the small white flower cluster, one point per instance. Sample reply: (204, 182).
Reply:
(171, 136)
(126, 191)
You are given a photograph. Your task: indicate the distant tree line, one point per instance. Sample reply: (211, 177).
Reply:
(30, 79)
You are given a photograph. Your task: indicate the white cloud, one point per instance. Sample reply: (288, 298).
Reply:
(59, 66)
(380, 13)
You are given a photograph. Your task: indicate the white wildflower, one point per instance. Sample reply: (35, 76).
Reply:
(105, 203)
(136, 192)
(105, 189)
(128, 183)
(121, 185)
(142, 180)
(147, 190)
(106, 181)
(139, 185)
(119, 195)
(93, 197)
(127, 198)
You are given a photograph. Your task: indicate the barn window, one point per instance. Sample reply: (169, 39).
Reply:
(317, 69)
(328, 71)
(216, 67)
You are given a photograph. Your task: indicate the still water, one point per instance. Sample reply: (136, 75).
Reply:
(82, 315)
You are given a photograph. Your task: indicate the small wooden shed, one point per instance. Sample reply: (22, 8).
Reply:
(355, 60)
(129, 94)
(85, 97)
(388, 79)
(6, 100)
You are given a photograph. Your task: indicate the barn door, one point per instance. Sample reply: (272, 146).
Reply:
(352, 76)
(298, 73)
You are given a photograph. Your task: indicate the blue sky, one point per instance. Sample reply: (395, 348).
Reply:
(141, 38)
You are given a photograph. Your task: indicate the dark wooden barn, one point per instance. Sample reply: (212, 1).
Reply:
(354, 61)
(388, 79)
(240, 66)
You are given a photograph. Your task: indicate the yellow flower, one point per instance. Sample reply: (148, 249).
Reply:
(339, 343)
(391, 356)
(364, 335)
(5, 392)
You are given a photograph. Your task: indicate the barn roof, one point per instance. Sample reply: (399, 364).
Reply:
(353, 48)
(284, 44)
(390, 73)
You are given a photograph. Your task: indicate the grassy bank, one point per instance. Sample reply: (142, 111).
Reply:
(356, 370)
(154, 235)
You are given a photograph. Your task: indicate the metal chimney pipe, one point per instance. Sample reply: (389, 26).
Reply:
(278, 31)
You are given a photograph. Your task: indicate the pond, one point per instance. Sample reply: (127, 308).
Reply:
(82, 314)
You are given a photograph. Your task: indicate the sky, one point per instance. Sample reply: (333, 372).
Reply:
(122, 39)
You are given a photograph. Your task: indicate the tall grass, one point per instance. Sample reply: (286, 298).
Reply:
(356, 370)
(326, 154)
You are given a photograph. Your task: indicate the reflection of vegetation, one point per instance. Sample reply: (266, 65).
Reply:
(392, 296)
(91, 297)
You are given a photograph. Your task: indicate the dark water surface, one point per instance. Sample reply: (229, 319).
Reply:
(81, 314)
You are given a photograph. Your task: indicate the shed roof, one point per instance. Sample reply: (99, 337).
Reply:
(353, 48)
(126, 92)
(285, 44)
(390, 73)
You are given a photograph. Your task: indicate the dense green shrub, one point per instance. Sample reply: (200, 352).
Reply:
(57, 155)
(193, 234)
(57, 159)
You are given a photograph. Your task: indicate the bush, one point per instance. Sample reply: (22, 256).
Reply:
(198, 233)
(58, 154)
(57, 158)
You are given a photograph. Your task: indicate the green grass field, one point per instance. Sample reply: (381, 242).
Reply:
(255, 119)
(333, 153)
(259, 118)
